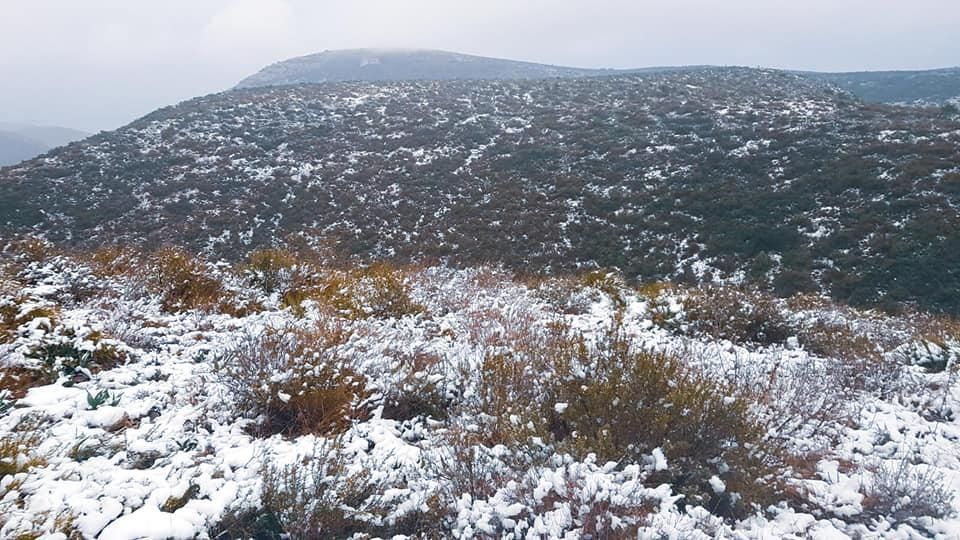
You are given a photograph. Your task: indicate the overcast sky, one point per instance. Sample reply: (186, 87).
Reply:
(98, 64)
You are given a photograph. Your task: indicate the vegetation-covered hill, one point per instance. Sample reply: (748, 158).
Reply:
(711, 173)
(935, 86)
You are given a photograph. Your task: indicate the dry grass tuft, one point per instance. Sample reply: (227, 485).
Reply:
(184, 282)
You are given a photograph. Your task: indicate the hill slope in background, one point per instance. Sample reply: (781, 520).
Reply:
(400, 65)
(929, 87)
(15, 148)
(19, 142)
(732, 173)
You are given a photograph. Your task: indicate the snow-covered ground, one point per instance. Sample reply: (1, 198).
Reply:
(170, 450)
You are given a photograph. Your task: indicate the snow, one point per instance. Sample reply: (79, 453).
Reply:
(135, 461)
(149, 523)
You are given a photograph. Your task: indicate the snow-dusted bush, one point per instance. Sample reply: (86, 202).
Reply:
(623, 402)
(183, 281)
(418, 388)
(295, 380)
(19, 453)
(901, 493)
(562, 498)
(620, 402)
(316, 498)
(737, 314)
(379, 290)
(270, 269)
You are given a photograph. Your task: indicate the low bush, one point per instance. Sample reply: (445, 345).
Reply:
(318, 498)
(629, 402)
(379, 290)
(902, 493)
(18, 311)
(418, 388)
(609, 283)
(295, 380)
(620, 403)
(113, 260)
(183, 282)
(28, 249)
(18, 450)
(736, 314)
(270, 269)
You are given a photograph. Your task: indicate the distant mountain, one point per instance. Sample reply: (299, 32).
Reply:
(15, 148)
(756, 175)
(930, 87)
(402, 65)
(19, 142)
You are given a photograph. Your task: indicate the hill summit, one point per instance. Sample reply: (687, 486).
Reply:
(402, 65)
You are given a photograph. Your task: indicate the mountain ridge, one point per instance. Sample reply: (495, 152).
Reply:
(924, 87)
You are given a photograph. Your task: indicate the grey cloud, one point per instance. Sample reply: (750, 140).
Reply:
(98, 64)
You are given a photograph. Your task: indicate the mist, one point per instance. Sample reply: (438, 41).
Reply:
(99, 64)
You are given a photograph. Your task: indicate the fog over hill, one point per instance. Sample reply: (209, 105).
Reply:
(402, 64)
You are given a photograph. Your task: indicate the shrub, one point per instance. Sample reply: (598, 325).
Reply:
(270, 269)
(295, 380)
(379, 290)
(18, 450)
(418, 388)
(629, 402)
(620, 403)
(183, 281)
(16, 312)
(902, 493)
(837, 340)
(27, 249)
(610, 284)
(316, 499)
(739, 315)
(17, 380)
(113, 260)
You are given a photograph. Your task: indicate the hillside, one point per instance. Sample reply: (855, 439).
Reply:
(401, 65)
(927, 87)
(729, 173)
